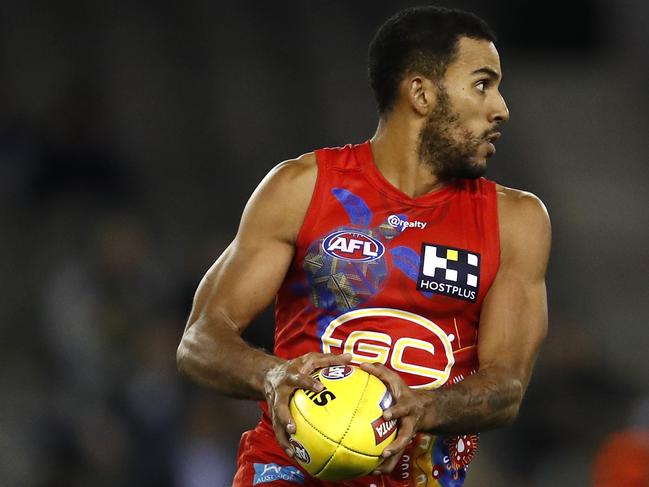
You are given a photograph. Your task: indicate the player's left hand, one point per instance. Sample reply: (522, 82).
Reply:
(408, 409)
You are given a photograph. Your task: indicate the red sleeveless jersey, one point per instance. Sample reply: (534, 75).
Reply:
(392, 279)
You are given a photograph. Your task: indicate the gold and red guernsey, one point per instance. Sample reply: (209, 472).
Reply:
(396, 280)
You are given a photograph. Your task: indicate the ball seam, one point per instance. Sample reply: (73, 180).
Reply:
(347, 431)
(306, 420)
(351, 420)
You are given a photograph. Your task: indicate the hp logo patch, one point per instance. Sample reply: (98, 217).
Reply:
(449, 271)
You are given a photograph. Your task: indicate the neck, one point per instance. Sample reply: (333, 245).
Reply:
(395, 151)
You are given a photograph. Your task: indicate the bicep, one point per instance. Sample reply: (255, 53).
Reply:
(514, 316)
(513, 324)
(247, 276)
(242, 282)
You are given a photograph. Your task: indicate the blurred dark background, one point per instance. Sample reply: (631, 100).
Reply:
(131, 135)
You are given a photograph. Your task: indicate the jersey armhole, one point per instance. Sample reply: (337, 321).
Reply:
(493, 197)
(314, 205)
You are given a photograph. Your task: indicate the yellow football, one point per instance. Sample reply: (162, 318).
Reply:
(340, 431)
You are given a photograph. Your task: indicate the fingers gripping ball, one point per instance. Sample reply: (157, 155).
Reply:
(340, 431)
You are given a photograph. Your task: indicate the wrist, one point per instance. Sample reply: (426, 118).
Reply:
(425, 398)
(269, 371)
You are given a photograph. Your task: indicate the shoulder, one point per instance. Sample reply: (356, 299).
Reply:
(519, 207)
(523, 220)
(299, 171)
(280, 202)
(289, 178)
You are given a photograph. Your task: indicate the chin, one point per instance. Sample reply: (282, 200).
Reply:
(477, 169)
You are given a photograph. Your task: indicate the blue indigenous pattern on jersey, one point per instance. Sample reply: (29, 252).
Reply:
(408, 262)
(356, 208)
(347, 266)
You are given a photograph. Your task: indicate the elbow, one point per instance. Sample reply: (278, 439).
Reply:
(181, 359)
(185, 356)
(510, 415)
(196, 355)
(511, 410)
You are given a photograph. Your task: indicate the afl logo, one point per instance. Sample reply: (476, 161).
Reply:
(336, 372)
(301, 453)
(353, 246)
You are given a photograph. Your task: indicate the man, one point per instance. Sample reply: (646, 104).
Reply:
(403, 222)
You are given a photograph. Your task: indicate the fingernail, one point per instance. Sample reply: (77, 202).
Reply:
(317, 385)
(289, 452)
(387, 416)
(290, 428)
(376, 472)
(387, 453)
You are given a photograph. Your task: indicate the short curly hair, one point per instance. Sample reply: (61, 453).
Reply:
(418, 39)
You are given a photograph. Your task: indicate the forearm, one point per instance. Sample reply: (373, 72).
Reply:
(224, 362)
(485, 400)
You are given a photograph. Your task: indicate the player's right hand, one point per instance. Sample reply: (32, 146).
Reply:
(282, 380)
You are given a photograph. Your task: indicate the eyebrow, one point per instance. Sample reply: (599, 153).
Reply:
(492, 73)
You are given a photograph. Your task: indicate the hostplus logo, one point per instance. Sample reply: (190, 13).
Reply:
(449, 271)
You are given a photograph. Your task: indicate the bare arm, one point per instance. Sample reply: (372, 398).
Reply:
(241, 284)
(513, 323)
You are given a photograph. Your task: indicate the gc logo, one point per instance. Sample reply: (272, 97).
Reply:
(406, 342)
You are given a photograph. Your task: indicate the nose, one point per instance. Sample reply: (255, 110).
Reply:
(500, 112)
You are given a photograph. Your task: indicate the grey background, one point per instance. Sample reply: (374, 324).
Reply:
(131, 135)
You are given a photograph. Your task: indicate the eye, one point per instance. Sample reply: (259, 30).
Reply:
(481, 85)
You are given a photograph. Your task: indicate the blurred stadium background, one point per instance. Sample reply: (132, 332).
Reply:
(132, 133)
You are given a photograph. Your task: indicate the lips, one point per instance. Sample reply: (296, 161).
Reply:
(493, 137)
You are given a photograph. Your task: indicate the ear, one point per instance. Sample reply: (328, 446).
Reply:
(421, 94)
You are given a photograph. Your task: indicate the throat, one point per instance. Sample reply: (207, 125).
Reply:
(415, 184)
(411, 177)
(396, 158)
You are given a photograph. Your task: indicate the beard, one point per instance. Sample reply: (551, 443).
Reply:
(449, 158)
